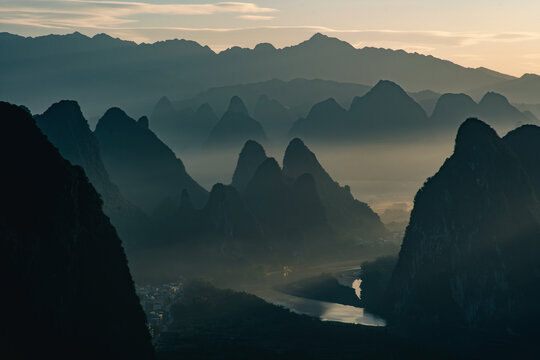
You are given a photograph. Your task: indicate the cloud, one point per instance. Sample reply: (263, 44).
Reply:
(106, 14)
(256, 17)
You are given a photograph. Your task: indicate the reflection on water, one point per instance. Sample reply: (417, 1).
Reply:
(326, 311)
(356, 286)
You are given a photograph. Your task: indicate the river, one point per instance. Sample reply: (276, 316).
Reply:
(326, 311)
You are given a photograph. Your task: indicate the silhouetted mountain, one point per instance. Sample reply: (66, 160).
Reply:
(292, 215)
(146, 170)
(238, 231)
(386, 110)
(298, 95)
(469, 260)
(388, 105)
(37, 71)
(235, 127)
(249, 160)
(348, 216)
(498, 111)
(67, 129)
(525, 89)
(326, 119)
(183, 128)
(452, 109)
(70, 290)
(222, 234)
(276, 119)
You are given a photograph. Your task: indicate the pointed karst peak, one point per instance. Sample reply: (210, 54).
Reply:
(164, 102)
(328, 106)
(237, 106)
(474, 134)
(319, 39)
(249, 160)
(494, 99)
(297, 147)
(387, 87)
(299, 159)
(114, 118)
(268, 171)
(252, 148)
(143, 121)
(77, 34)
(65, 109)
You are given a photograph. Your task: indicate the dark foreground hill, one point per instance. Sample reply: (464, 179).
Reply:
(68, 290)
(469, 264)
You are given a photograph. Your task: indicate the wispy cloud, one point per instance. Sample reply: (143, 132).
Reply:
(256, 17)
(106, 14)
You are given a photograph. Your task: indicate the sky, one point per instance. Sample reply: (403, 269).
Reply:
(501, 35)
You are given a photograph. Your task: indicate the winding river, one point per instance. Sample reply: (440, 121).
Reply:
(326, 311)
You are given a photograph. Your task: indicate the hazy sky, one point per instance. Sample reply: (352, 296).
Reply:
(500, 34)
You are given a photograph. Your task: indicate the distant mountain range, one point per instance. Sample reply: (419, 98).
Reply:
(387, 111)
(102, 71)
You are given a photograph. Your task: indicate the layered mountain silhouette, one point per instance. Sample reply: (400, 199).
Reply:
(67, 129)
(292, 214)
(235, 127)
(525, 89)
(37, 71)
(70, 290)
(184, 128)
(386, 110)
(348, 216)
(274, 117)
(144, 167)
(223, 230)
(451, 109)
(249, 160)
(469, 260)
(302, 197)
(297, 95)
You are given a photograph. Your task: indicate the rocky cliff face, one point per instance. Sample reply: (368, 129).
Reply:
(470, 256)
(70, 291)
